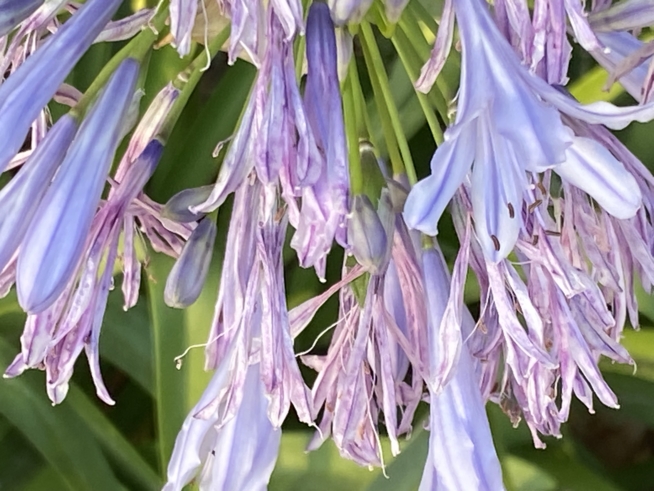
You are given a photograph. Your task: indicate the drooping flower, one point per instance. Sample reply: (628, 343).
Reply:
(54, 337)
(461, 451)
(54, 241)
(517, 128)
(324, 203)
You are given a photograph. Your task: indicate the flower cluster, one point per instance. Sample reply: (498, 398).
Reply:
(553, 216)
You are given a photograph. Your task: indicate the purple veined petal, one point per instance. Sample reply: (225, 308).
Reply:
(289, 14)
(123, 29)
(186, 279)
(461, 451)
(20, 198)
(623, 16)
(601, 112)
(182, 18)
(195, 439)
(593, 169)
(428, 199)
(53, 243)
(13, 12)
(34, 83)
(496, 195)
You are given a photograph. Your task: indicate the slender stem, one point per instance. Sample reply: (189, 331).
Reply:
(400, 42)
(386, 103)
(382, 107)
(351, 129)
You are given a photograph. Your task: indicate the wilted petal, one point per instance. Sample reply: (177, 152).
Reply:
(182, 18)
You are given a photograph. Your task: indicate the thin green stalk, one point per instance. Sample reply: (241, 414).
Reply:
(399, 41)
(137, 48)
(352, 133)
(382, 107)
(385, 101)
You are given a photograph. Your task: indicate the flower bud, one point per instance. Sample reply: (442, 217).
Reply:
(187, 277)
(177, 207)
(367, 235)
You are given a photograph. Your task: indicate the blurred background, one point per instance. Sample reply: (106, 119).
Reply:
(85, 445)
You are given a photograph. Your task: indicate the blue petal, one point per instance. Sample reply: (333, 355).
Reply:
(496, 195)
(593, 169)
(449, 166)
(55, 239)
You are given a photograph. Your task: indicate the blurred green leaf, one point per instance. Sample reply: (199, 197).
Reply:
(54, 432)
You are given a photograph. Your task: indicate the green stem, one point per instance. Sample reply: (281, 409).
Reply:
(386, 104)
(137, 48)
(400, 42)
(188, 80)
(352, 133)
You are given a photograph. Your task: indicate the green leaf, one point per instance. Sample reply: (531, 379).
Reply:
(405, 471)
(126, 342)
(112, 441)
(54, 431)
(169, 341)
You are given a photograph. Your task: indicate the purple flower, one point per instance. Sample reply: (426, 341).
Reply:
(55, 337)
(35, 82)
(516, 127)
(324, 204)
(461, 451)
(182, 18)
(56, 237)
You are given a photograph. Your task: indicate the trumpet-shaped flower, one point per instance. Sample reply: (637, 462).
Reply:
(512, 128)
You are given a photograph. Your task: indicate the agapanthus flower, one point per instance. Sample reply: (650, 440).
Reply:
(517, 128)
(55, 238)
(461, 451)
(54, 338)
